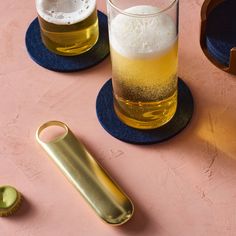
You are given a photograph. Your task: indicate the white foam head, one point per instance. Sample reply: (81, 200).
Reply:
(63, 12)
(142, 36)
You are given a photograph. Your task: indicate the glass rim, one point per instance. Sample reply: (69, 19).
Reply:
(142, 15)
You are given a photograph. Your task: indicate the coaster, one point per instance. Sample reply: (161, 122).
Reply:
(221, 31)
(111, 123)
(45, 58)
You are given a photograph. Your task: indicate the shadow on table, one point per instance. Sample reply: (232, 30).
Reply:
(140, 224)
(26, 210)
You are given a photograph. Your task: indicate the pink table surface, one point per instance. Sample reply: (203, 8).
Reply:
(183, 187)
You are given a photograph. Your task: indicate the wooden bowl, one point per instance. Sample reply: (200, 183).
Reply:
(207, 8)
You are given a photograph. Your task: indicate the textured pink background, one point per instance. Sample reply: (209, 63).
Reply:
(183, 187)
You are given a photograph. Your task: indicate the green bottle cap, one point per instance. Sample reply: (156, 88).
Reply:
(10, 200)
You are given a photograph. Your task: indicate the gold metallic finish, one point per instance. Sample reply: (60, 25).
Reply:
(10, 200)
(87, 176)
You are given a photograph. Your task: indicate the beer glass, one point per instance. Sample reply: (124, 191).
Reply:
(68, 27)
(143, 38)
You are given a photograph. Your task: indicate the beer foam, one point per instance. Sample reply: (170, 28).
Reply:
(142, 36)
(63, 12)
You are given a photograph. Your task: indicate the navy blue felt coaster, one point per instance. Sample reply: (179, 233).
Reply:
(221, 31)
(111, 123)
(41, 55)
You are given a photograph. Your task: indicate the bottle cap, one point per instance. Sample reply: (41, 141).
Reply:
(10, 200)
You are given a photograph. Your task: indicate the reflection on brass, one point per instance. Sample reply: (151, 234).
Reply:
(88, 177)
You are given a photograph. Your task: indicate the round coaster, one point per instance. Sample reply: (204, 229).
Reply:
(221, 31)
(45, 58)
(111, 123)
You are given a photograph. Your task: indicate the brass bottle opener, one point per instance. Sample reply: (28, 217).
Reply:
(87, 176)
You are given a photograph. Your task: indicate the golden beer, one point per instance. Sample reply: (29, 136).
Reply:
(68, 28)
(144, 68)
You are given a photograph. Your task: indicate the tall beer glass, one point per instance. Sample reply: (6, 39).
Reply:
(68, 27)
(143, 38)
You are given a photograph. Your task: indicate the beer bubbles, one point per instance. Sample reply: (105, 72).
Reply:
(62, 12)
(68, 27)
(144, 49)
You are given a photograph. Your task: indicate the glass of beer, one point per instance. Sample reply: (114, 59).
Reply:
(143, 38)
(68, 27)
